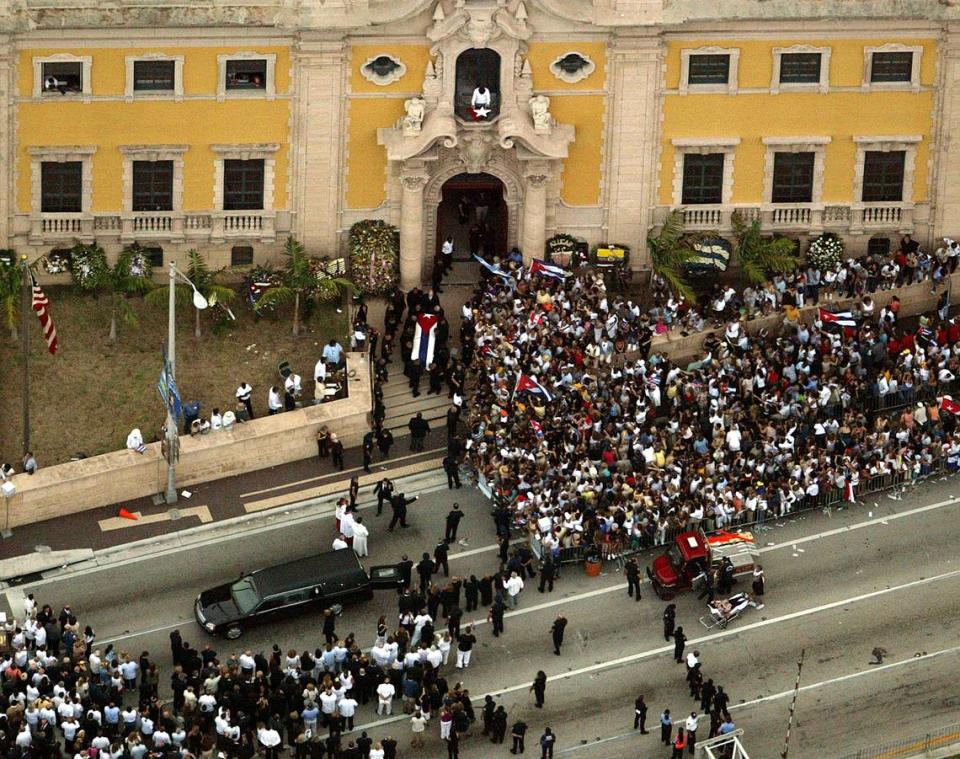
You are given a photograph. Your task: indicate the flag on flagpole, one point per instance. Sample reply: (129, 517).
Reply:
(41, 305)
(837, 318)
(167, 387)
(424, 339)
(527, 384)
(949, 405)
(492, 268)
(547, 270)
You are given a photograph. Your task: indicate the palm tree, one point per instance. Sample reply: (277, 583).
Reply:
(670, 250)
(759, 255)
(122, 282)
(300, 283)
(205, 280)
(10, 289)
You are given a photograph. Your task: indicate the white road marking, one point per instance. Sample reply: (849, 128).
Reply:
(788, 693)
(120, 523)
(618, 586)
(633, 658)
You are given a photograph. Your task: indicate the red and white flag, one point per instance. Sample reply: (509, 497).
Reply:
(949, 405)
(837, 318)
(41, 305)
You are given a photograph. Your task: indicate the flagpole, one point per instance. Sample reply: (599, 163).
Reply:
(171, 491)
(26, 292)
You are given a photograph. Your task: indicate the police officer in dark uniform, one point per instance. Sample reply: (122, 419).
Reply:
(633, 577)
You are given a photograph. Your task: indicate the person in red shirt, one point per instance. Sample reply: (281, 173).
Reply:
(679, 744)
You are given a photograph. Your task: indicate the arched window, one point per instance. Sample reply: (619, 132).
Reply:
(477, 97)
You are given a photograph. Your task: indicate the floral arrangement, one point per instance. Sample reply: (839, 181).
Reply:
(56, 262)
(260, 279)
(88, 265)
(825, 251)
(374, 256)
(560, 248)
(135, 258)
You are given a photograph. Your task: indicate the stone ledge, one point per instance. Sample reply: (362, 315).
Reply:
(126, 475)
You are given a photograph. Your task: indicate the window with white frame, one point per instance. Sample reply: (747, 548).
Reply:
(152, 177)
(892, 66)
(62, 74)
(709, 69)
(794, 168)
(247, 75)
(800, 68)
(62, 179)
(703, 170)
(885, 168)
(244, 177)
(154, 75)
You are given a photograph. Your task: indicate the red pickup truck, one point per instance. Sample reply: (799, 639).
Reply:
(691, 553)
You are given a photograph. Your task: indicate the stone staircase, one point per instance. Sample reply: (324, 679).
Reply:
(401, 405)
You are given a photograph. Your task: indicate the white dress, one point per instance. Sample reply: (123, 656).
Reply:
(360, 533)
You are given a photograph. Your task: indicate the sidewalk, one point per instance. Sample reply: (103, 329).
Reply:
(218, 500)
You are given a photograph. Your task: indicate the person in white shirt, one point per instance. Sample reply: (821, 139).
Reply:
(207, 703)
(513, 586)
(691, 726)
(385, 693)
(328, 701)
(216, 420)
(269, 740)
(339, 543)
(274, 401)
(481, 98)
(360, 534)
(292, 384)
(347, 708)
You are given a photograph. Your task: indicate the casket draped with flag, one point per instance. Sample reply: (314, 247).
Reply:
(424, 339)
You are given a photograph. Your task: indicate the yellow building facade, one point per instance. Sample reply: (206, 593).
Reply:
(497, 123)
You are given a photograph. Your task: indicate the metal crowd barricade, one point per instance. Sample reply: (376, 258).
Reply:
(915, 745)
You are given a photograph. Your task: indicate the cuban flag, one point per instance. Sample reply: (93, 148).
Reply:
(537, 428)
(837, 318)
(424, 339)
(949, 405)
(547, 270)
(527, 384)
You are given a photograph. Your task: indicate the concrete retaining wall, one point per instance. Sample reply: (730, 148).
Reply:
(126, 475)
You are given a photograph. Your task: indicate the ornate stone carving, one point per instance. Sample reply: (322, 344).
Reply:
(480, 25)
(413, 121)
(413, 182)
(540, 112)
(537, 180)
(475, 150)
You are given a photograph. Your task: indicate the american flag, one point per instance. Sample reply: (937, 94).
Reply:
(41, 305)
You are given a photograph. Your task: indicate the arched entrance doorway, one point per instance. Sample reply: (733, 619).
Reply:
(473, 211)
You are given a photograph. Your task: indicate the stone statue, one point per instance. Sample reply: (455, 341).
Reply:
(414, 118)
(540, 111)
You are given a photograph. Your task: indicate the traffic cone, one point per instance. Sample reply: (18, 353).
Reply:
(128, 515)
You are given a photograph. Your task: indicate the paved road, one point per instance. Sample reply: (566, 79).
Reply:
(882, 574)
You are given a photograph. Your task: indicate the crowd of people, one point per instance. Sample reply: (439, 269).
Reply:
(591, 439)
(853, 278)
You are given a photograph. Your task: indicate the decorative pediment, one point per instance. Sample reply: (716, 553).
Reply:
(480, 23)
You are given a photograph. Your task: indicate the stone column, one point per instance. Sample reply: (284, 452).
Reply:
(316, 163)
(946, 149)
(7, 149)
(533, 233)
(633, 134)
(411, 228)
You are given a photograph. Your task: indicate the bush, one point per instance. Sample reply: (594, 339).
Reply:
(374, 256)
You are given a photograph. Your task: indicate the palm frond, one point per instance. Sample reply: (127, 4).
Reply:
(124, 310)
(677, 282)
(221, 293)
(275, 296)
(158, 296)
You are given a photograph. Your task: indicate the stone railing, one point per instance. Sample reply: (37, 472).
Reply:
(804, 218)
(159, 226)
(125, 475)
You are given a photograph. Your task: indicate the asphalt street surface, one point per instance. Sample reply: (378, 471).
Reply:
(885, 573)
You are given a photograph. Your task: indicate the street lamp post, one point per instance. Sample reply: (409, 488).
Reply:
(201, 303)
